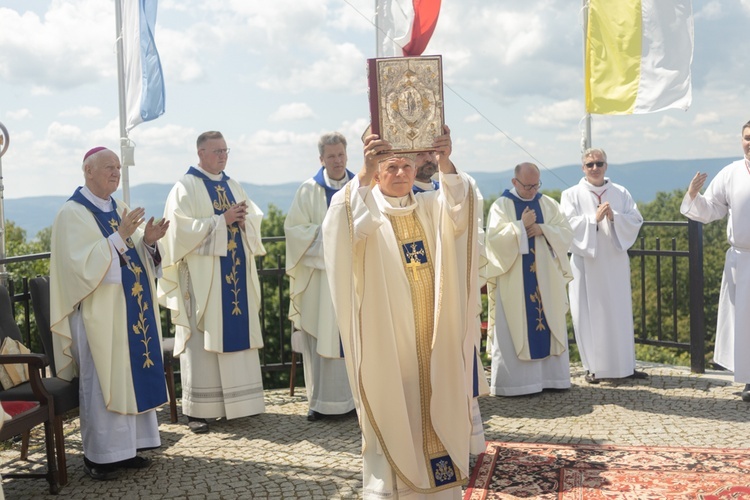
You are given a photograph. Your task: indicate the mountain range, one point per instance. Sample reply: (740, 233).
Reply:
(643, 179)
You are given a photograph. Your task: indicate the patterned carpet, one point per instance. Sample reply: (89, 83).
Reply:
(535, 470)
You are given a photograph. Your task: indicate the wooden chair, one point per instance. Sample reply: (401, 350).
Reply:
(42, 412)
(64, 393)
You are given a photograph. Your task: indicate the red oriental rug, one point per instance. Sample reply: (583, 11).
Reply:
(534, 470)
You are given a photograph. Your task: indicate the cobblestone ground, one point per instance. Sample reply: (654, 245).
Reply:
(279, 454)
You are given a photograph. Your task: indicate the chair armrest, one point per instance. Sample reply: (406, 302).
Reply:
(34, 360)
(36, 363)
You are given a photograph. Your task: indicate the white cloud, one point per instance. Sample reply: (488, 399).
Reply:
(84, 111)
(557, 115)
(709, 118)
(19, 114)
(292, 112)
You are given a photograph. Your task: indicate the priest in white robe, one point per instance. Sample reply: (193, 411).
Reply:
(605, 222)
(402, 269)
(105, 320)
(310, 305)
(211, 287)
(729, 194)
(527, 240)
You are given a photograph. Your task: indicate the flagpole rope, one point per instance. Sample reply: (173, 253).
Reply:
(484, 117)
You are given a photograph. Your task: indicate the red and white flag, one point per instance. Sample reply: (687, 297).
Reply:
(405, 26)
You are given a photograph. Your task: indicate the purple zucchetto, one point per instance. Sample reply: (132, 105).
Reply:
(93, 151)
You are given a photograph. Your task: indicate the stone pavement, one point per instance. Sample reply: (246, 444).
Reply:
(279, 454)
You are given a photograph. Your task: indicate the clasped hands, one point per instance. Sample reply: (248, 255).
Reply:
(528, 217)
(130, 221)
(236, 213)
(604, 210)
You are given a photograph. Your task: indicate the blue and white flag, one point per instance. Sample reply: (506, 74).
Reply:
(144, 82)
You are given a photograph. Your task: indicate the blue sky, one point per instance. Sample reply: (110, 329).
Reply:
(274, 75)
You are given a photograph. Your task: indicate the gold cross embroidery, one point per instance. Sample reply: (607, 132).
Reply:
(413, 259)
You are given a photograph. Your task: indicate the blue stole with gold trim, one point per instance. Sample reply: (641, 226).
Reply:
(538, 331)
(321, 181)
(143, 338)
(236, 331)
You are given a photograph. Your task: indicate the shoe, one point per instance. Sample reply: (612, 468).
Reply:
(198, 425)
(745, 394)
(638, 375)
(314, 416)
(136, 462)
(99, 472)
(590, 378)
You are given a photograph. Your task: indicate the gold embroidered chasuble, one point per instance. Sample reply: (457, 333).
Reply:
(420, 272)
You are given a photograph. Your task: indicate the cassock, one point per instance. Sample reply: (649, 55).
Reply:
(729, 193)
(601, 302)
(405, 299)
(106, 326)
(310, 305)
(526, 296)
(211, 287)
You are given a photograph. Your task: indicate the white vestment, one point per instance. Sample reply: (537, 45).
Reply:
(310, 305)
(601, 302)
(513, 371)
(89, 324)
(214, 383)
(367, 269)
(729, 193)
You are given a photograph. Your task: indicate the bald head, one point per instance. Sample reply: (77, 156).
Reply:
(526, 180)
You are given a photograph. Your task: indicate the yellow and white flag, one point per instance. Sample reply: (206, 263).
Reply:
(638, 56)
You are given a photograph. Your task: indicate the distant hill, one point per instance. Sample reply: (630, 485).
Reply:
(643, 180)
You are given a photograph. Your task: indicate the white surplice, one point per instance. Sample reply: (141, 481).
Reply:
(513, 371)
(214, 383)
(729, 193)
(600, 296)
(310, 305)
(373, 302)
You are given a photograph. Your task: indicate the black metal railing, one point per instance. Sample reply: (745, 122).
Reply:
(276, 355)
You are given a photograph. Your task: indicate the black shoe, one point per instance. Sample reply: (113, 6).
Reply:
(745, 394)
(100, 472)
(314, 416)
(590, 378)
(638, 375)
(198, 425)
(136, 462)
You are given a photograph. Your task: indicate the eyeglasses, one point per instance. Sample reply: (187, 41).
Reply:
(599, 164)
(219, 152)
(530, 187)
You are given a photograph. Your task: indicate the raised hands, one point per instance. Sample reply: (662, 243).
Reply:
(696, 184)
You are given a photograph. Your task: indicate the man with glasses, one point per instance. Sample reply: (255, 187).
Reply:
(728, 194)
(211, 286)
(310, 306)
(527, 269)
(605, 222)
(403, 269)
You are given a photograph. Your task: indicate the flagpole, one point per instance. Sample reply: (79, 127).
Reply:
(586, 139)
(126, 151)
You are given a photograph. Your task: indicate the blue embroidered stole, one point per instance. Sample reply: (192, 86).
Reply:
(321, 181)
(146, 364)
(420, 274)
(538, 331)
(236, 324)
